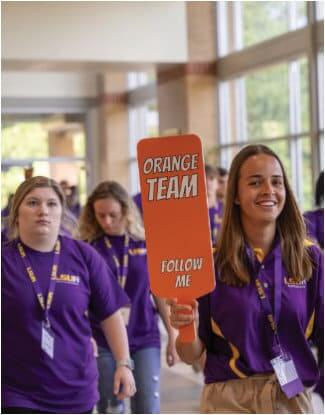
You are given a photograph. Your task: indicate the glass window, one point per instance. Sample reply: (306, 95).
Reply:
(301, 84)
(10, 180)
(282, 149)
(222, 28)
(305, 175)
(225, 124)
(246, 23)
(321, 155)
(79, 144)
(270, 106)
(27, 144)
(320, 79)
(263, 20)
(319, 10)
(265, 104)
(138, 79)
(227, 154)
(32, 133)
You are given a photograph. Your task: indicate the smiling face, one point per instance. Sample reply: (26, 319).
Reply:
(39, 214)
(261, 191)
(110, 217)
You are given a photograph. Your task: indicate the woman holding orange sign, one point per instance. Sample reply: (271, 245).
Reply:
(112, 224)
(268, 301)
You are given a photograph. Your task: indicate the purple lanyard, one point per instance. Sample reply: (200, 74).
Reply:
(122, 269)
(37, 289)
(273, 318)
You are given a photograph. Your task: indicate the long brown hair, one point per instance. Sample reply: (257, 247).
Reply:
(230, 253)
(90, 228)
(22, 191)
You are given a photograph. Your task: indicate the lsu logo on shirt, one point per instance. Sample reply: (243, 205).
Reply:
(292, 283)
(138, 251)
(68, 279)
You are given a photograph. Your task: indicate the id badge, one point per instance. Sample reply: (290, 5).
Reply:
(125, 311)
(47, 341)
(287, 376)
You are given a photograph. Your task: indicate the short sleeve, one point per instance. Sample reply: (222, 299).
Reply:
(204, 319)
(106, 296)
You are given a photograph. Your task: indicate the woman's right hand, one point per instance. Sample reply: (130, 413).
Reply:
(182, 315)
(124, 383)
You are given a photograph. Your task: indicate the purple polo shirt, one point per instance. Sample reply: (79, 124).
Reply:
(238, 337)
(67, 383)
(142, 329)
(314, 220)
(76, 210)
(215, 216)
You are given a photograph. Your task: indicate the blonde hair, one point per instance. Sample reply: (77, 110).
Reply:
(23, 190)
(89, 226)
(230, 253)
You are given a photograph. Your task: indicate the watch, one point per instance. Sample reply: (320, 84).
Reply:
(125, 362)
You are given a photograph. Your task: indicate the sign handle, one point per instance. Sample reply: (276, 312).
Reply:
(187, 334)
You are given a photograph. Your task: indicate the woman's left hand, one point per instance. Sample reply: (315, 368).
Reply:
(171, 353)
(124, 383)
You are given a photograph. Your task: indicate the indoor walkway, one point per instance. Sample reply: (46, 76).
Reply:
(180, 389)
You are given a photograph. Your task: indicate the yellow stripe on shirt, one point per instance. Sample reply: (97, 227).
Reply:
(138, 251)
(259, 254)
(310, 326)
(235, 353)
(308, 242)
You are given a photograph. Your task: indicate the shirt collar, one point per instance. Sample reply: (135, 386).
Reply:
(258, 254)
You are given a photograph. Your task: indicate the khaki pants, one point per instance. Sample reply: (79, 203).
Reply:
(258, 394)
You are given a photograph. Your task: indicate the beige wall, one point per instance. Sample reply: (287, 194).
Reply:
(108, 31)
(113, 148)
(172, 105)
(201, 109)
(114, 166)
(201, 31)
(187, 93)
(48, 84)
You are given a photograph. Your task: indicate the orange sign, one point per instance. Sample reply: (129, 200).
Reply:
(176, 218)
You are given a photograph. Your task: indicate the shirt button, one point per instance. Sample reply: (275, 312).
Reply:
(262, 266)
(266, 284)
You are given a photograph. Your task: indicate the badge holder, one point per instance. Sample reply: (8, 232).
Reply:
(287, 376)
(47, 340)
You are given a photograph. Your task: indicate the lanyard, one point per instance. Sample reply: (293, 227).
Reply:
(273, 319)
(44, 306)
(122, 269)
